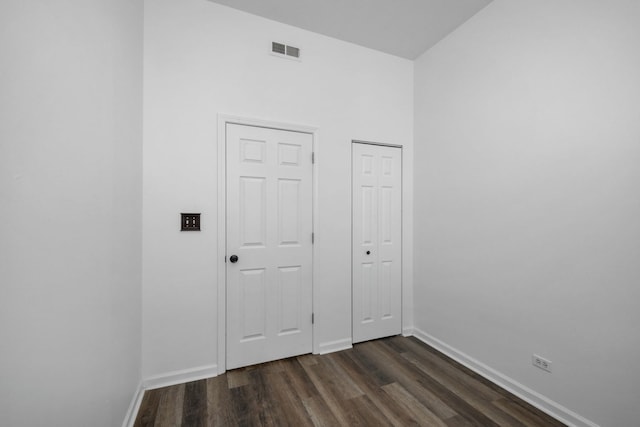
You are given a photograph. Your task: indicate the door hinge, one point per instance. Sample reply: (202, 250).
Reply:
(225, 258)
(313, 157)
(313, 238)
(312, 318)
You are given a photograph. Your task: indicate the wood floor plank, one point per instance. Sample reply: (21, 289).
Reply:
(290, 409)
(244, 406)
(337, 386)
(170, 406)
(237, 378)
(330, 393)
(491, 414)
(459, 421)
(524, 414)
(409, 377)
(320, 413)
(456, 403)
(420, 412)
(307, 360)
(194, 407)
(371, 388)
(149, 408)
(467, 390)
(442, 399)
(269, 411)
(364, 360)
(420, 354)
(302, 387)
(395, 381)
(299, 381)
(458, 399)
(360, 411)
(343, 381)
(395, 413)
(220, 411)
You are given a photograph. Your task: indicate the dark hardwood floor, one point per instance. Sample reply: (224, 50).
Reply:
(389, 382)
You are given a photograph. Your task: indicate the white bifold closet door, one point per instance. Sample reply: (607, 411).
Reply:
(376, 241)
(269, 252)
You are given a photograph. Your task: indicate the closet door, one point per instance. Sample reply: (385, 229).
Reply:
(376, 241)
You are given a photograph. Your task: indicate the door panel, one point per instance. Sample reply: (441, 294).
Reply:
(252, 293)
(289, 218)
(367, 287)
(253, 215)
(269, 225)
(377, 241)
(289, 285)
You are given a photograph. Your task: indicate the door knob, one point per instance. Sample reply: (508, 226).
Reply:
(233, 258)
(368, 252)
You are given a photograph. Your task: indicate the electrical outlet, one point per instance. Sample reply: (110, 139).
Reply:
(541, 362)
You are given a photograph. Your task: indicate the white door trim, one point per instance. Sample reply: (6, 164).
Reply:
(223, 120)
(357, 141)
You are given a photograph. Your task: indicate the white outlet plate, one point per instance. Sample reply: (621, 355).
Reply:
(541, 362)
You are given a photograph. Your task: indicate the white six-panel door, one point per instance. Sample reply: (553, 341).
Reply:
(269, 226)
(376, 240)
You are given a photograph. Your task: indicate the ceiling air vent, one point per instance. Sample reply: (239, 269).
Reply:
(285, 51)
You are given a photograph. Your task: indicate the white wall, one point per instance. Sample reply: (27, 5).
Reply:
(527, 205)
(202, 59)
(70, 206)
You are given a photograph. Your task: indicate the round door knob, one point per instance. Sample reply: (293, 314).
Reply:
(368, 252)
(233, 258)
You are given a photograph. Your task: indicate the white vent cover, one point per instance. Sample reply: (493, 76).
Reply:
(281, 49)
(278, 48)
(293, 51)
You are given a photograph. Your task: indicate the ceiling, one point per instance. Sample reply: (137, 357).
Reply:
(404, 28)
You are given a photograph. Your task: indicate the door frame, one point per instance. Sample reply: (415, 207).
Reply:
(402, 230)
(223, 120)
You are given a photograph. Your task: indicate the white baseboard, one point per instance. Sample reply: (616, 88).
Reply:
(534, 398)
(179, 377)
(132, 412)
(332, 346)
(407, 331)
